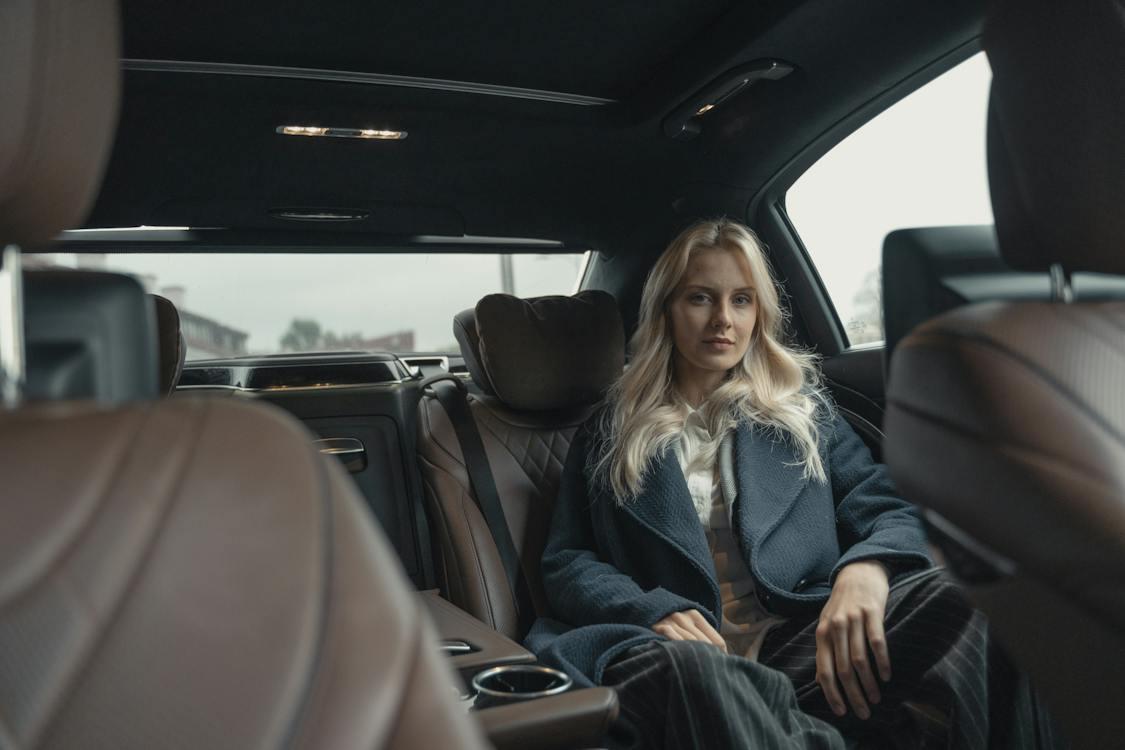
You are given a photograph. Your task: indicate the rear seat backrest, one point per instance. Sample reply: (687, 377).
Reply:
(542, 364)
(170, 337)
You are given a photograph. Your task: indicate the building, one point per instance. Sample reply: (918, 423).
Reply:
(208, 339)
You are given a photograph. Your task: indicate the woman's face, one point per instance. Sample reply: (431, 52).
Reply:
(712, 314)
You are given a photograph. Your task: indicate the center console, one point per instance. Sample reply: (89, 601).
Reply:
(527, 705)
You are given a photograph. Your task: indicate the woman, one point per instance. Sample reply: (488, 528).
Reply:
(725, 552)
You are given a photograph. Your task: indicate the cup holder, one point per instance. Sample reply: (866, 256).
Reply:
(517, 682)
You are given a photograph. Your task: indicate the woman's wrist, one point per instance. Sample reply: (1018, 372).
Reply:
(865, 567)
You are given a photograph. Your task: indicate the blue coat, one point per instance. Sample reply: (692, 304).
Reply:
(611, 572)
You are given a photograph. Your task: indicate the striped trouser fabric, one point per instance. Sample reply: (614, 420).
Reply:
(951, 687)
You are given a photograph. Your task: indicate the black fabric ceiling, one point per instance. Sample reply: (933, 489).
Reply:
(588, 47)
(201, 150)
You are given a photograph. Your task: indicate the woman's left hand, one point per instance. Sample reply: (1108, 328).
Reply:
(851, 621)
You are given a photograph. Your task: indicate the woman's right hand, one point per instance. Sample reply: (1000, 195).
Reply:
(689, 625)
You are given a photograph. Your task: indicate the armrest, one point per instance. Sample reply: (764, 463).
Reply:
(577, 719)
(490, 649)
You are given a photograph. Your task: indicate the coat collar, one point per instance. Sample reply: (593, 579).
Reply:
(664, 507)
(769, 479)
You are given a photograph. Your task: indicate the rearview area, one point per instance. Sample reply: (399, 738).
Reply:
(254, 304)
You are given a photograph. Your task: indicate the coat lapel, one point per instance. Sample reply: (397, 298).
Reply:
(665, 508)
(769, 480)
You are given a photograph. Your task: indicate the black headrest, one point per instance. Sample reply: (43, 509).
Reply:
(89, 335)
(1056, 132)
(930, 270)
(170, 343)
(921, 268)
(543, 353)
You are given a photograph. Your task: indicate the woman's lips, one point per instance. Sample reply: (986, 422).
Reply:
(719, 344)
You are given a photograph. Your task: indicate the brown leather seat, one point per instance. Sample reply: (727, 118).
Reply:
(186, 573)
(541, 364)
(1007, 420)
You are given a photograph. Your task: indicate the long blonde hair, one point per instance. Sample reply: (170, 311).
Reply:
(774, 385)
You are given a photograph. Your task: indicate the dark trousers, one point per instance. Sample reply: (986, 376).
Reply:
(951, 687)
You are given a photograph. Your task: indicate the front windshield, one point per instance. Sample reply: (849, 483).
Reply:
(235, 305)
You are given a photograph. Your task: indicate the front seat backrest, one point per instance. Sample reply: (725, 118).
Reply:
(542, 364)
(176, 574)
(1007, 419)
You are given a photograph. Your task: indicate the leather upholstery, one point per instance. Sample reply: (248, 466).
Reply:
(490, 648)
(61, 84)
(181, 574)
(1007, 419)
(199, 576)
(1022, 401)
(526, 441)
(170, 340)
(526, 453)
(544, 353)
(561, 722)
(1024, 405)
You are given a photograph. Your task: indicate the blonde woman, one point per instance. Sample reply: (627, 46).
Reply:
(725, 552)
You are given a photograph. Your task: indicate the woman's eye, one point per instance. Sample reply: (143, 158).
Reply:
(699, 298)
(743, 299)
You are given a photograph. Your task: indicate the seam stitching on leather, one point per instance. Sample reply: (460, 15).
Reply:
(79, 535)
(432, 438)
(466, 500)
(416, 644)
(991, 440)
(1033, 368)
(446, 528)
(135, 574)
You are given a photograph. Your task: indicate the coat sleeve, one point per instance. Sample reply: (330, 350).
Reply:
(872, 522)
(581, 587)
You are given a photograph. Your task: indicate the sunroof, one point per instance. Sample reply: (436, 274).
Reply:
(587, 48)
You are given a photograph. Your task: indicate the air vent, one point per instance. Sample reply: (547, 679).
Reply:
(207, 377)
(321, 375)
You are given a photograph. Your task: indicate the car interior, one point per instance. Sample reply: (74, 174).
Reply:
(338, 545)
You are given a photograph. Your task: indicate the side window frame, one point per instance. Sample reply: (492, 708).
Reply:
(767, 213)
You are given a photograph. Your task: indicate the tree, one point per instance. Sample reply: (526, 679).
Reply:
(303, 335)
(866, 324)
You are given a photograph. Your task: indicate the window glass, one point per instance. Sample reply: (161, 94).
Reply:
(266, 303)
(921, 163)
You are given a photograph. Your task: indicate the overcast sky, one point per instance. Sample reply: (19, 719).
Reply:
(921, 163)
(346, 293)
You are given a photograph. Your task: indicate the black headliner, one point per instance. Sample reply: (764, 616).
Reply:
(200, 149)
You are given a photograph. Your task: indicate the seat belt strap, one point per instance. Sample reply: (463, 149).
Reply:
(453, 397)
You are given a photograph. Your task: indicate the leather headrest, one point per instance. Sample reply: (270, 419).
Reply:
(89, 335)
(543, 353)
(170, 343)
(60, 78)
(1056, 133)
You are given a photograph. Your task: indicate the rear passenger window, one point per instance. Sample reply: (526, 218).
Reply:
(921, 163)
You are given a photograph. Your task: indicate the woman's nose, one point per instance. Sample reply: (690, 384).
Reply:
(721, 316)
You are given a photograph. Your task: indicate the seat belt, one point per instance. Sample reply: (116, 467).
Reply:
(453, 396)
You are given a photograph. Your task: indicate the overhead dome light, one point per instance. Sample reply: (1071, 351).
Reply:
(360, 133)
(684, 121)
(319, 214)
